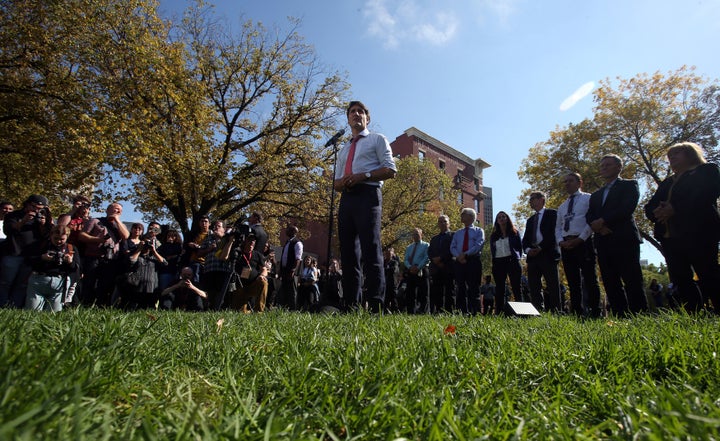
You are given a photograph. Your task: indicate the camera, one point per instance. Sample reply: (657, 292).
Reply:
(107, 251)
(240, 231)
(57, 256)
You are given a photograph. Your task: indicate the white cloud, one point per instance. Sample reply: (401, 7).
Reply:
(411, 20)
(576, 96)
(438, 34)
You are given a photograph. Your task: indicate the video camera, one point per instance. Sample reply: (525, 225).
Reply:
(240, 231)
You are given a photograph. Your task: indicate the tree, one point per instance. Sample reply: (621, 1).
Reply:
(236, 129)
(415, 198)
(49, 106)
(193, 119)
(637, 119)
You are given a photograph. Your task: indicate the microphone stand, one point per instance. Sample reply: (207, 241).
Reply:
(331, 216)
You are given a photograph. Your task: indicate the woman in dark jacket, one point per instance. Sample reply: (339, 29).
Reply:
(687, 224)
(506, 248)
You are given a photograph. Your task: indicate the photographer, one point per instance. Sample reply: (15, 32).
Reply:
(252, 271)
(26, 229)
(101, 264)
(138, 281)
(76, 219)
(52, 264)
(215, 271)
(183, 295)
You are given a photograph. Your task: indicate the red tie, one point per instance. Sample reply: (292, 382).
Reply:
(351, 156)
(466, 240)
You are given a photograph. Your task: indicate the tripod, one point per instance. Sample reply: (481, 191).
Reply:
(232, 281)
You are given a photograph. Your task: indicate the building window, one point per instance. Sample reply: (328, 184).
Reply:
(441, 165)
(421, 155)
(477, 184)
(477, 207)
(460, 198)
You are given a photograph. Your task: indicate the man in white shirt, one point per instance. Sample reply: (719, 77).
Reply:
(573, 235)
(362, 166)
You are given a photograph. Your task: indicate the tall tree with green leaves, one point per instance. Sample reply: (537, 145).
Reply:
(236, 128)
(182, 119)
(418, 194)
(637, 119)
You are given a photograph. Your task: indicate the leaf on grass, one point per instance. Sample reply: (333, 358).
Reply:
(449, 330)
(220, 324)
(151, 317)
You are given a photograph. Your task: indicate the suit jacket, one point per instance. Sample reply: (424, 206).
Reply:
(516, 248)
(617, 211)
(694, 198)
(440, 247)
(548, 245)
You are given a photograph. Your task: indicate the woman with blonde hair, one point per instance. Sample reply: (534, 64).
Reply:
(687, 224)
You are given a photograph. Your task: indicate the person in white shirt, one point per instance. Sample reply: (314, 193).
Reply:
(573, 235)
(506, 249)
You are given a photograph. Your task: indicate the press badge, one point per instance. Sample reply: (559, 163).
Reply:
(245, 274)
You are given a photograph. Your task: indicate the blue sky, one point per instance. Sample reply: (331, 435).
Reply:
(491, 77)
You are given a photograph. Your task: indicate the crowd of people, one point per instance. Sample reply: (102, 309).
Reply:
(48, 264)
(78, 259)
(585, 232)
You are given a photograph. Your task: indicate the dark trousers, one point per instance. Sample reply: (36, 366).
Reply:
(442, 291)
(416, 293)
(501, 269)
(621, 276)
(359, 232)
(467, 285)
(544, 266)
(579, 265)
(288, 289)
(684, 256)
(213, 282)
(98, 283)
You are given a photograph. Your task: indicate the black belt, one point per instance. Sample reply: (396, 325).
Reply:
(359, 187)
(571, 237)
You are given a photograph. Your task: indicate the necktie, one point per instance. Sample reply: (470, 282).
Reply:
(466, 240)
(605, 193)
(570, 213)
(412, 255)
(351, 156)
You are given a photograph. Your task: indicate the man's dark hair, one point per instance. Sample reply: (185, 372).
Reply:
(258, 215)
(576, 175)
(357, 103)
(537, 195)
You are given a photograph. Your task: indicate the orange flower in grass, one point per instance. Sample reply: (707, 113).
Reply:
(449, 330)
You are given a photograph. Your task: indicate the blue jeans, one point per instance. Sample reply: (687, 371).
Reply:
(13, 281)
(45, 293)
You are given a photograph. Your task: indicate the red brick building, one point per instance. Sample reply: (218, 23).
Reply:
(467, 173)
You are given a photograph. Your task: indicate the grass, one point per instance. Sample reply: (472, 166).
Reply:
(102, 374)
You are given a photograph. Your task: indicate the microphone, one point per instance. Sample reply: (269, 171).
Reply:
(334, 139)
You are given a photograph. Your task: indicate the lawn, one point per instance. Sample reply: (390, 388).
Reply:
(104, 374)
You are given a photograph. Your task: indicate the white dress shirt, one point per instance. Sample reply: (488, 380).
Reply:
(578, 226)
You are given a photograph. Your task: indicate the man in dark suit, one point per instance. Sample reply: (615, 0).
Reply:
(542, 254)
(617, 238)
(442, 282)
(261, 235)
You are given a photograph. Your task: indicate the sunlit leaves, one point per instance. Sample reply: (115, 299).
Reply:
(638, 119)
(413, 200)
